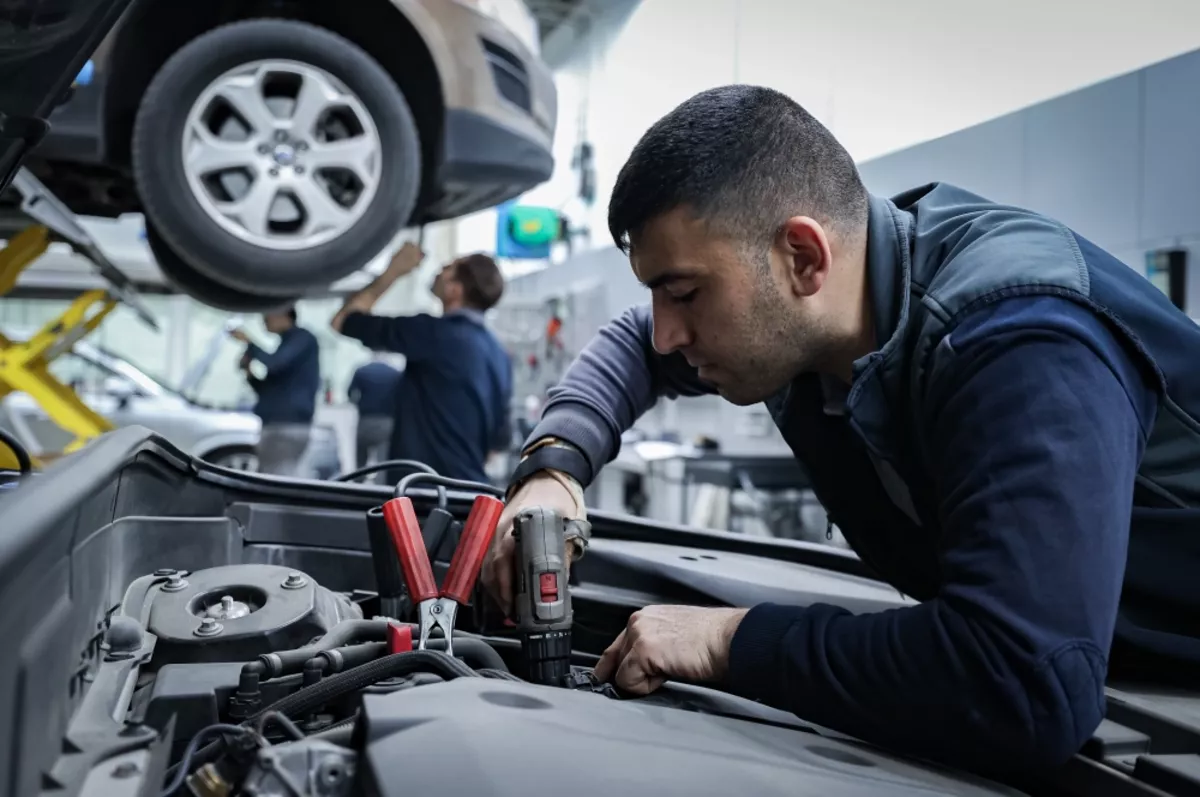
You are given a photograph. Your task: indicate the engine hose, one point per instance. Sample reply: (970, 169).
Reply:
(317, 695)
(290, 662)
(479, 655)
(475, 652)
(344, 683)
(341, 659)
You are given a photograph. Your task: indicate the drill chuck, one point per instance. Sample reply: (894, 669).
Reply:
(547, 657)
(543, 602)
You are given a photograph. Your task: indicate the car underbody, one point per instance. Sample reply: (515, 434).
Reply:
(141, 585)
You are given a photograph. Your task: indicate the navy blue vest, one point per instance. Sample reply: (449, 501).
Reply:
(935, 254)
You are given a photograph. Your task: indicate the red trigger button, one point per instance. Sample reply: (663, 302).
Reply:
(549, 586)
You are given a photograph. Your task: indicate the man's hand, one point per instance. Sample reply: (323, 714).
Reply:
(406, 260)
(240, 334)
(660, 642)
(544, 491)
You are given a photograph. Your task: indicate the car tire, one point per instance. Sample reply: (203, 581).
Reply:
(250, 257)
(187, 280)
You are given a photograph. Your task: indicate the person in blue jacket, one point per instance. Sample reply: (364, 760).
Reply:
(287, 392)
(452, 406)
(373, 391)
(1001, 418)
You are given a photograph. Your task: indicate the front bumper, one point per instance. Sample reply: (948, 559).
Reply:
(486, 163)
(500, 118)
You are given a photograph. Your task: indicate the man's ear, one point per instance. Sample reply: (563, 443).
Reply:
(807, 255)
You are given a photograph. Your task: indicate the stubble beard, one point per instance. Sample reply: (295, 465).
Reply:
(774, 351)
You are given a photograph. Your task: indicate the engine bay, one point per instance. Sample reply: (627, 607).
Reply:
(176, 628)
(254, 679)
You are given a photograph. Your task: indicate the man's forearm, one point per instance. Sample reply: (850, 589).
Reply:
(368, 296)
(615, 379)
(363, 301)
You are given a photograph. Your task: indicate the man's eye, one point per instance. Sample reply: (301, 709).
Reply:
(685, 298)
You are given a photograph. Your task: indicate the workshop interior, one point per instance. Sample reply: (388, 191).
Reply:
(184, 618)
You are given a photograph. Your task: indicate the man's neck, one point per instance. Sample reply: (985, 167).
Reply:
(855, 335)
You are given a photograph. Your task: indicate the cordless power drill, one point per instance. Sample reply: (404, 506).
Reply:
(543, 604)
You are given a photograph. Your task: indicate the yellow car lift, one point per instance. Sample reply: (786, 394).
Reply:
(24, 365)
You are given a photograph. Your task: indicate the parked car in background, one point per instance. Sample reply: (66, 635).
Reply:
(275, 147)
(126, 395)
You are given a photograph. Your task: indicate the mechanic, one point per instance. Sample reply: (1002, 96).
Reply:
(373, 391)
(452, 405)
(983, 400)
(287, 393)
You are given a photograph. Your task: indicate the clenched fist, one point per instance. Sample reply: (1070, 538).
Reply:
(544, 491)
(690, 643)
(406, 259)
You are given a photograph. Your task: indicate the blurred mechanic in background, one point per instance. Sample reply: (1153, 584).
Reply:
(373, 391)
(287, 392)
(452, 404)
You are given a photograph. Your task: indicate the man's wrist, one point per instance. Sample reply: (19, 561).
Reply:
(552, 454)
(727, 629)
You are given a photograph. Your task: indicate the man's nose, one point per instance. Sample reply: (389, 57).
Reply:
(671, 333)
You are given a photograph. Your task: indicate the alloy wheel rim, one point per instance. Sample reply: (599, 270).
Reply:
(281, 154)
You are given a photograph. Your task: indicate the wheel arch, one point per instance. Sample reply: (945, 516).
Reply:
(223, 443)
(396, 33)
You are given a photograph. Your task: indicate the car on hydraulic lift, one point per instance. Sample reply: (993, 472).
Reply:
(276, 146)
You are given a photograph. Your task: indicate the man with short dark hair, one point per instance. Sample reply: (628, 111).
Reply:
(287, 393)
(452, 404)
(982, 398)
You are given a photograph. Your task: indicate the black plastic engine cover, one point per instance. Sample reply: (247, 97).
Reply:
(286, 609)
(507, 739)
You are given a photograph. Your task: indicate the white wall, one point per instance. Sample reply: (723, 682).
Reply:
(882, 75)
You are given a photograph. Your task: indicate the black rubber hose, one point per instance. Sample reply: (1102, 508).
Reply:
(478, 654)
(24, 461)
(387, 464)
(341, 659)
(411, 464)
(469, 486)
(335, 686)
(317, 695)
(347, 632)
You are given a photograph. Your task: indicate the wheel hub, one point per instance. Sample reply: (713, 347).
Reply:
(284, 155)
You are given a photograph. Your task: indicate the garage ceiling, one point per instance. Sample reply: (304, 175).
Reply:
(552, 14)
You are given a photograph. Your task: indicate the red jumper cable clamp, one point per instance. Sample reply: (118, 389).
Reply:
(440, 607)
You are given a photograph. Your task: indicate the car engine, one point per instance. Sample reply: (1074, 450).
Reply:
(271, 684)
(253, 679)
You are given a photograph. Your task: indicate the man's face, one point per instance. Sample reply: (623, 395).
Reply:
(733, 317)
(445, 287)
(276, 322)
